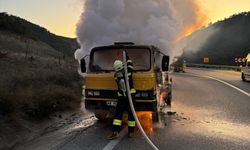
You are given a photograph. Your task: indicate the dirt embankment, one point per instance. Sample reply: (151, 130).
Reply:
(33, 88)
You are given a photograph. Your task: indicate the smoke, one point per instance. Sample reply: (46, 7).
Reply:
(196, 41)
(148, 22)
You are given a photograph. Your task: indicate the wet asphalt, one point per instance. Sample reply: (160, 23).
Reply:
(209, 115)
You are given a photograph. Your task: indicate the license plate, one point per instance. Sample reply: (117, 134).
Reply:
(111, 103)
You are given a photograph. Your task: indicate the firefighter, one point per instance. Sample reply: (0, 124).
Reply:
(123, 102)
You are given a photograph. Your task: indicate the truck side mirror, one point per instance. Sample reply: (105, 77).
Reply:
(83, 65)
(165, 63)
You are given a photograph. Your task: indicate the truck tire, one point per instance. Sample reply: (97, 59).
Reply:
(156, 108)
(155, 117)
(169, 99)
(101, 114)
(243, 77)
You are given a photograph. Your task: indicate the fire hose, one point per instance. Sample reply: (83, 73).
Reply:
(132, 106)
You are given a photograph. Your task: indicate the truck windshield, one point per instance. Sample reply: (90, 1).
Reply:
(103, 59)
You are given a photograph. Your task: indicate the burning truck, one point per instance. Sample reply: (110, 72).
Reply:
(150, 77)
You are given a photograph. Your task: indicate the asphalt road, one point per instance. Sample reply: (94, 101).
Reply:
(231, 77)
(210, 114)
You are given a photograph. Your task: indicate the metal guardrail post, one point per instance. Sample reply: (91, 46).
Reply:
(225, 67)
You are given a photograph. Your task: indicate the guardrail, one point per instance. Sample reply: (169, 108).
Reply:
(222, 67)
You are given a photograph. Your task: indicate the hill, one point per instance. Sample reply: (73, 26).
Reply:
(34, 61)
(28, 30)
(222, 41)
(38, 79)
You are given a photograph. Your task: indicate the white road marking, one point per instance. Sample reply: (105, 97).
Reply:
(240, 90)
(113, 143)
(224, 82)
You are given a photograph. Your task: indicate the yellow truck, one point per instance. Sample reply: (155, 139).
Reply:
(150, 75)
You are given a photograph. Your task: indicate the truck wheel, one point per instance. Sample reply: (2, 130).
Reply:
(156, 108)
(101, 114)
(169, 99)
(243, 77)
(155, 117)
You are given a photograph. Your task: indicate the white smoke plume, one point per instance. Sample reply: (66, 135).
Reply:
(147, 22)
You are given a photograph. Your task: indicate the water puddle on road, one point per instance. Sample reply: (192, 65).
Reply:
(202, 122)
(59, 133)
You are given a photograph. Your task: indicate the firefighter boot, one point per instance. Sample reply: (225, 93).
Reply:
(113, 136)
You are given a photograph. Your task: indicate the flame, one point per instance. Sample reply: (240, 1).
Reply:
(145, 118)
(200, 21)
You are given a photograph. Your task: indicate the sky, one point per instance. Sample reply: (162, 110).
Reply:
(58, 16)
(61, 16)
(221, 9)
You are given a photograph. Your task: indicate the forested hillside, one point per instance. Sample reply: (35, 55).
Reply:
(38, 73)
(222, 41)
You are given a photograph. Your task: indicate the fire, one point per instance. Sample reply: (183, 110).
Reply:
(145, 118)
(188, 30)
(200, 21)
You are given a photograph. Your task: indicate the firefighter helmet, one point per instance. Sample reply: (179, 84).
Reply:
(118, 65)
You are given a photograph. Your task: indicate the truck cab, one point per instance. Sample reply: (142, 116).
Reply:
(245, 71)
(150, 74)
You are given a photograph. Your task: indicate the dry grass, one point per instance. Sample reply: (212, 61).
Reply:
(38, 87)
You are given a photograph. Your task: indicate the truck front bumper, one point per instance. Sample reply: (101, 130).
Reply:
(140, 105)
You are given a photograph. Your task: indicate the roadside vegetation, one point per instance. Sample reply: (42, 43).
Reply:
(38, 72)
(33, 87)
(39, 83)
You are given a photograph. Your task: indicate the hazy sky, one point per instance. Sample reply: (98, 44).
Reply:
(60, 16)
(220, 9)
